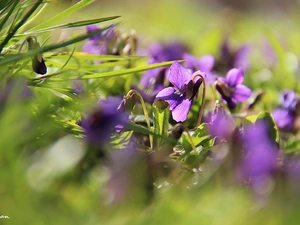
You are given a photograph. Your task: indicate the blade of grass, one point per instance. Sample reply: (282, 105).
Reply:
(71, 25)
(18, 57)
(9, 13)
(126, 71)
(63, 14)
(18, 25)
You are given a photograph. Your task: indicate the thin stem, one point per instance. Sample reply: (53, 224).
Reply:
(203, 97)
(131, 92)
(191, 140)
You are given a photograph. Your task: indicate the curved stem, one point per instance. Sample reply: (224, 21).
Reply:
(130, 93)
(203, 97)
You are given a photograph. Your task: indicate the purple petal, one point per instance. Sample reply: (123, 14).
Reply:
(168, 95)
(242, 93)
(178, 75)
(96, 48)
(190, 61)
(234, 77)
(150, 76)
(241, 57)
(289, 99)
(283, 118)
(180, 113)
(93, 28)
(206, 63)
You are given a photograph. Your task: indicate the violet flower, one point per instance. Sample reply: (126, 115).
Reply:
(231, 88)
(180, 97)
(259, 163)
(285, 116)
(102, 121)
(102, 43)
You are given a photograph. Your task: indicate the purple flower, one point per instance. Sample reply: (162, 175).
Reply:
(170, 52)
(285, 116)
(230, 58)
(259, 163)
(102, 43)
(180, 97)
(220, 124)
(102, 121)
(204, 64)
(231, 88)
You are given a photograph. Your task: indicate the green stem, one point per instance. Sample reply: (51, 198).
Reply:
(131, 92)
(203, 97)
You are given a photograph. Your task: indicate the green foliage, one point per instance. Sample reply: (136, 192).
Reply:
(160, 121)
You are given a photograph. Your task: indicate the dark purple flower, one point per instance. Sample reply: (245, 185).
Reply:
(204, 64)
(180, 97)
(231, 88)
(259, 163)
(285, 116)
(102, 121)
(102, 43)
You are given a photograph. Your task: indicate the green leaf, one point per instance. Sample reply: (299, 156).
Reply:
(160, 121)
(63, 14)
(266, 116)
(293, 145)
(202, 136)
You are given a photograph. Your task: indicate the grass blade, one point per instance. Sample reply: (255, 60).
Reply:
(126, 71)
(18, 25)
(75, 24)
(63, 14)
(19, 57)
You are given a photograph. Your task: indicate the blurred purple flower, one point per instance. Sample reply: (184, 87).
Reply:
(285, 116)
(169, 52)
(77, 87)
(204, 64)
(220, 124)
(230, 58)
(153, 77)
(101, 43)
(180, 97)
(231, 88)
(269, 52)
(103, 120)
(259, 163)
(14, 88)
